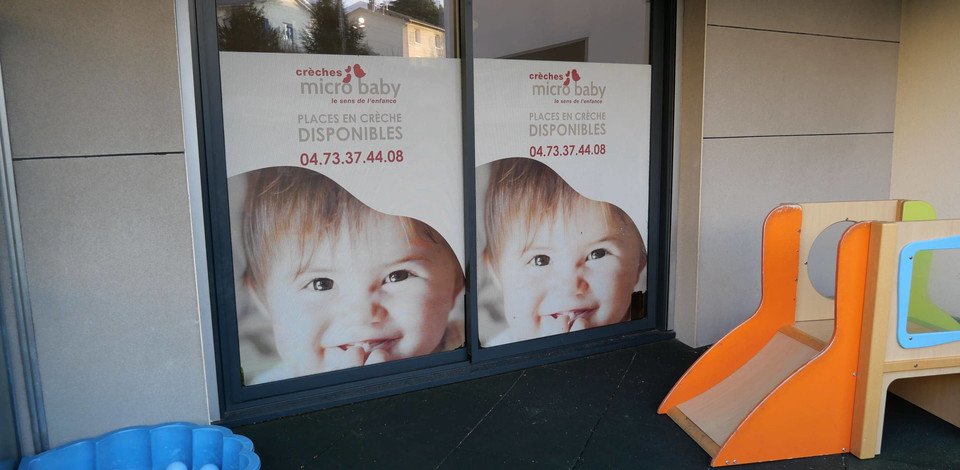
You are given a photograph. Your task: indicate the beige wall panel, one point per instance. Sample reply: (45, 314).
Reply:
(926, 144)
(766, 83)
(109, 259)
(743, 179)
(90, 78)
(867, 19)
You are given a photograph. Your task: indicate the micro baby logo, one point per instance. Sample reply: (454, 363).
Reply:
(351, 80)
(546, 85)
(357, 70)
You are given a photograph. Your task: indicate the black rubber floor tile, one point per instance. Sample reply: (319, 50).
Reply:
(434, 416)
(610, 365)
(494, 385)
(882, 463)
(822, 462)
(533, 433)
(637, 403)
(661, 365)
(384, 449)
(346, 415)
(623, 444)
(546, 389)
(462, 459)
(912, 435)
(293, 441)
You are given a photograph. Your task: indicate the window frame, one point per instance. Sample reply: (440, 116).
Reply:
(244, 404)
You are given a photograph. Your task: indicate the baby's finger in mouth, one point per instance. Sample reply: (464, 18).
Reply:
(343, 358)
(376, 357)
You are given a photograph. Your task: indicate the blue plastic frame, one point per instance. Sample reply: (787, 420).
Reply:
(904, 280)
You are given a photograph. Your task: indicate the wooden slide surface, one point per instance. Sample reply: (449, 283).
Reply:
(721, 409)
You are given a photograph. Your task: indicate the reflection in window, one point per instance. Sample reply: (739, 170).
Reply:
(934, 297)
(609, 31)
(391, 28)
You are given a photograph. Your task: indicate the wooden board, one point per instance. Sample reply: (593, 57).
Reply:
(816, 217)
(802, 336)
(922, 364)
(820, 329)
(871, 392)
(694, 431)
(719, 410)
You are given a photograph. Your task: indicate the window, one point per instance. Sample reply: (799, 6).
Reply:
(408, 184)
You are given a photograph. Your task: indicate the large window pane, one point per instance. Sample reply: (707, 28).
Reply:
(344, 165)
(562, 115)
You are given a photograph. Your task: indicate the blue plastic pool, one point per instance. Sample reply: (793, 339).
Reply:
(152, 448)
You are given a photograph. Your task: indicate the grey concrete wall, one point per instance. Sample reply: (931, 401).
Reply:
(926, 144)
(798, 105)
(94, 110)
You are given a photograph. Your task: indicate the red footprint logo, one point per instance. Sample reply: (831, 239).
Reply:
(567, 81)
(358, 71)
(575, 75)
(348, 77)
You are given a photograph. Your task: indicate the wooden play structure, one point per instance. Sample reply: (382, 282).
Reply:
(796, 379)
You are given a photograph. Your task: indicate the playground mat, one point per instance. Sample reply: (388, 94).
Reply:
(594, 412)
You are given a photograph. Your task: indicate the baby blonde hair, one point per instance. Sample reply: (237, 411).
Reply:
(283, 202)
(524, 193)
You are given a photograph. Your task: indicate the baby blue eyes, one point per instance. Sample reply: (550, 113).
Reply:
(540, 260)
(597, 254)
(321, 283)
(397, 276)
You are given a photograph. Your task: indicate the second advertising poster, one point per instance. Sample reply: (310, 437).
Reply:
(562, 165)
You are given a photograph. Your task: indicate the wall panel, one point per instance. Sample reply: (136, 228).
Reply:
(113, 292)
(90, 78)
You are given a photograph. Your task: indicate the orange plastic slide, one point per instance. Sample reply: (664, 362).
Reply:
(770, 389)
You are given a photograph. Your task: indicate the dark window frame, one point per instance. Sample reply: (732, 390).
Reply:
(243, 404)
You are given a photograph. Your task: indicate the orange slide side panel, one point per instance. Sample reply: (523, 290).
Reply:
(811, 412)
(779, 267)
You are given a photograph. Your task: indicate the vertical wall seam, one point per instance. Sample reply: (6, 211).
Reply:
(691, 143)
(191, 157)
(702, 96)
(21, 292)
(675, 185)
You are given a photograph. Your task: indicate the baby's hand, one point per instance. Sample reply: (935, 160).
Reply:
(354, 356)
(554, 324)
(376, 357)
(337, 358)
(561, 323)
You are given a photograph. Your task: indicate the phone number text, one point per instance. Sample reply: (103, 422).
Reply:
(357, 157)
(572, 150)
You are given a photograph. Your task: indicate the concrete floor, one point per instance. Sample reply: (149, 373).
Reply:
(595, 412)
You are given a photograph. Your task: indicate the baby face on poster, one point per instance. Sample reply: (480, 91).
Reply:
(343, 284)
(564, 262)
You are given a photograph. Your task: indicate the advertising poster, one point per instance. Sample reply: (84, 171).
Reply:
(346, 199)
(562, 155)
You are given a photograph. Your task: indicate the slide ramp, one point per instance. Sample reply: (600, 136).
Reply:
(782, 384)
